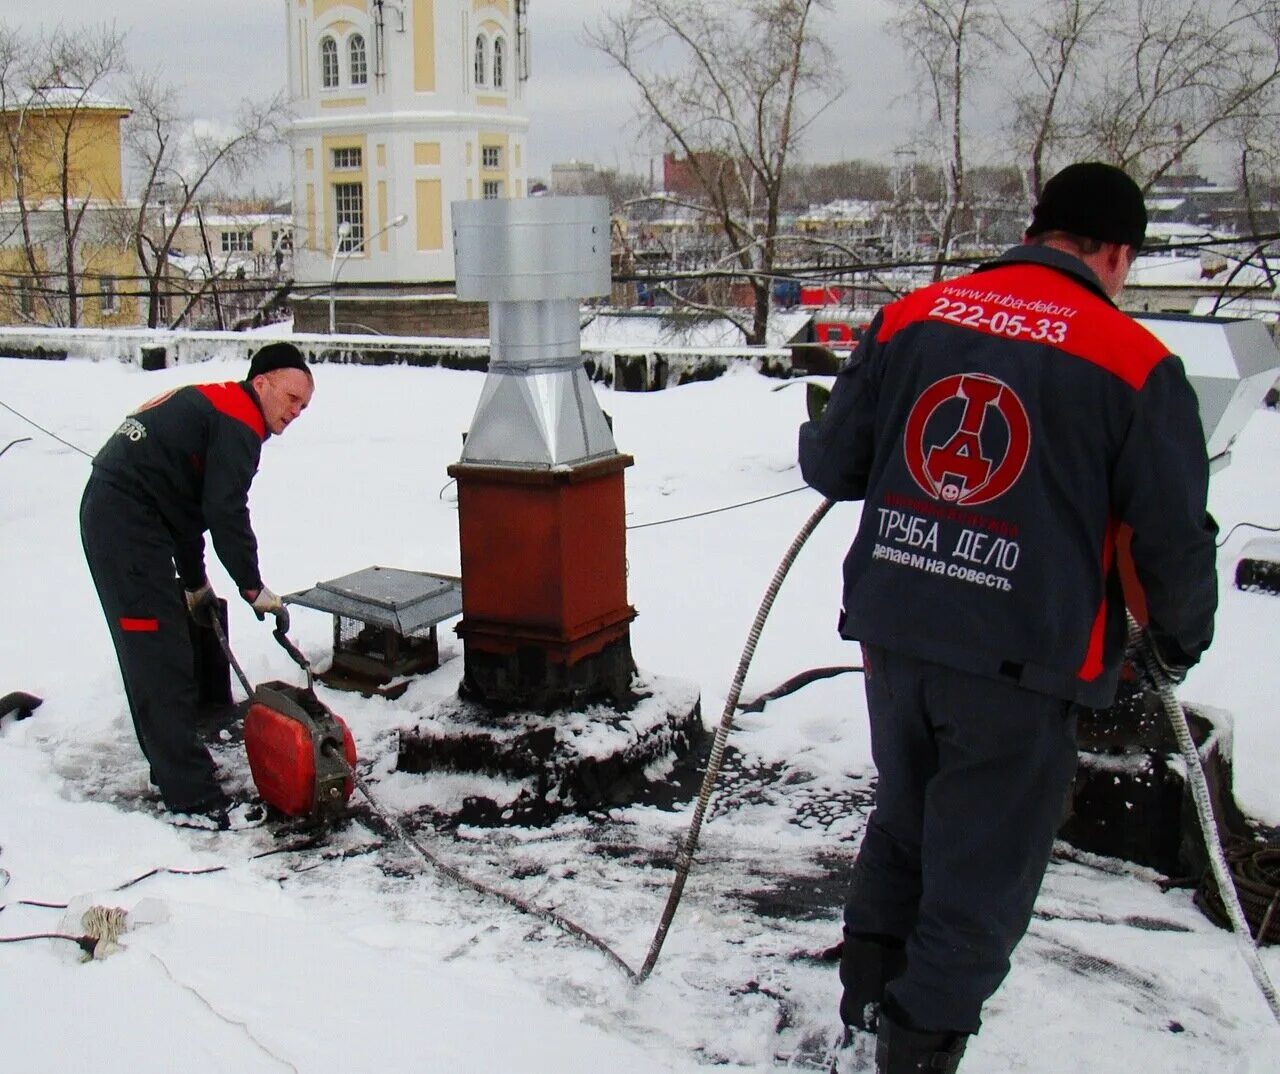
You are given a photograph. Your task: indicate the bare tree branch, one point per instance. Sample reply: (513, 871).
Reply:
(178, 159)
(947, 42)
(731, 87)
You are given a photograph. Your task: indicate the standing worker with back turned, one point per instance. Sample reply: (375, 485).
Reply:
(182, 465)
(999, 428)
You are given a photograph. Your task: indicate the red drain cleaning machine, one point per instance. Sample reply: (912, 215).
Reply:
(301, 755)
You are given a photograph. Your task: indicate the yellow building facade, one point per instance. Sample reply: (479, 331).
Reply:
(64, 133)
(401, 108)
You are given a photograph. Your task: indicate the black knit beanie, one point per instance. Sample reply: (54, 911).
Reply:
(277, 356)
(1094, 201)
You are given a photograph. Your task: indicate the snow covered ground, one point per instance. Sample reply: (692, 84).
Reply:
(350, 957)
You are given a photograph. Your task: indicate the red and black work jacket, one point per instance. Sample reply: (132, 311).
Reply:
(192, 454)
(1000, 428)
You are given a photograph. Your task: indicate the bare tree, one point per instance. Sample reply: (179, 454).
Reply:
(947, 42)
(50, 84)
(1053, 39)
(1181, 72)
(731, 87)
(178, 161)
(1139, 83)
(1258, 172)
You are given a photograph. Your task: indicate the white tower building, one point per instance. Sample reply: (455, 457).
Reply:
(402, 106)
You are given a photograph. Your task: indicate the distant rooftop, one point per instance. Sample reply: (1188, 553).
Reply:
(56, 98)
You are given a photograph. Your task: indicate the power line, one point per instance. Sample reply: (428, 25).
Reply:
(717, 510)
(1247, 525)
(47, 432)
(803, 271)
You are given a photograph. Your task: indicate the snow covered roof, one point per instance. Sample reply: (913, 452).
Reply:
(843, 209)
(1208, 273)
(1118, 972)
(241, 220)
(66, 97)
(1266, 310)
(1171, 229)
(647, 328)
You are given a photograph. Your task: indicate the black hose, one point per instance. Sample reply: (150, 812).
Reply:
(20, 440)
(795, 683)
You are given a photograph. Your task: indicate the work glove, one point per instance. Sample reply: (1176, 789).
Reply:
(202, 604)
(266, 602)
(1155, 664)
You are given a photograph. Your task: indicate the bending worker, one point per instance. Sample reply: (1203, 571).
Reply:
(180, 466)
(999, 428)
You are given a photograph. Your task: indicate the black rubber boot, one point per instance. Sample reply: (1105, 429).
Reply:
(914, 1051)
(867, 964)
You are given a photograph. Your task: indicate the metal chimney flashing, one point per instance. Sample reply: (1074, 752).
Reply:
(533, 260)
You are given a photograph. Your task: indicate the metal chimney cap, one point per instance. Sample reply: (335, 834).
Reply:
(531, 249)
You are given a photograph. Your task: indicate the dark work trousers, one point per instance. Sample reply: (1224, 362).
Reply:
(130, 556)
(973, 775)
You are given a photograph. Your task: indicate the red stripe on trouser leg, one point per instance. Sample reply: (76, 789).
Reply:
(142, 626)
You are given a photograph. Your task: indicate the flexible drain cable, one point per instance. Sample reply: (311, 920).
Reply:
(458, 877)
(684, 861)
(1208, 825)
(432, 861)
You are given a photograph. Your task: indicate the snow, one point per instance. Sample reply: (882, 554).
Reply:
(351, 956)
(665, 329)
(1173, 270)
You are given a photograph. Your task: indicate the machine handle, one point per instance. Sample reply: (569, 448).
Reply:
(295, 654)
(226, 648)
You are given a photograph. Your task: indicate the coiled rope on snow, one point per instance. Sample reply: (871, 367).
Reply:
(1255, 874)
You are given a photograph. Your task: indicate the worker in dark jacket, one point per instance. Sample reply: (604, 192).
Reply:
(179, 466)
(1000, 429)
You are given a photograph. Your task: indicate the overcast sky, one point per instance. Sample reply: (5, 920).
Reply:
(580, 107)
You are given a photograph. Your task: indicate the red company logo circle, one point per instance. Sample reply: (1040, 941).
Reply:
(953, 468)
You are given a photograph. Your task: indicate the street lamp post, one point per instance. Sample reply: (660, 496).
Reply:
(341, 256)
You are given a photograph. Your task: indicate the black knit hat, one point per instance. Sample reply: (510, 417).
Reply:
(277, 356)
(1094, 201)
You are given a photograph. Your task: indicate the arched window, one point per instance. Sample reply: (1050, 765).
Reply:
(499, 55)
(481, 60)
(328, 62)
(358, 61)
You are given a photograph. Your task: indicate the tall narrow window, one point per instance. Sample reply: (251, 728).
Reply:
(25, 305)
(499, 64)
(492, 189)
(328, 62)
(490, 157)
(107, 293)
(482, 61)
(348, 204)
(359, 62)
